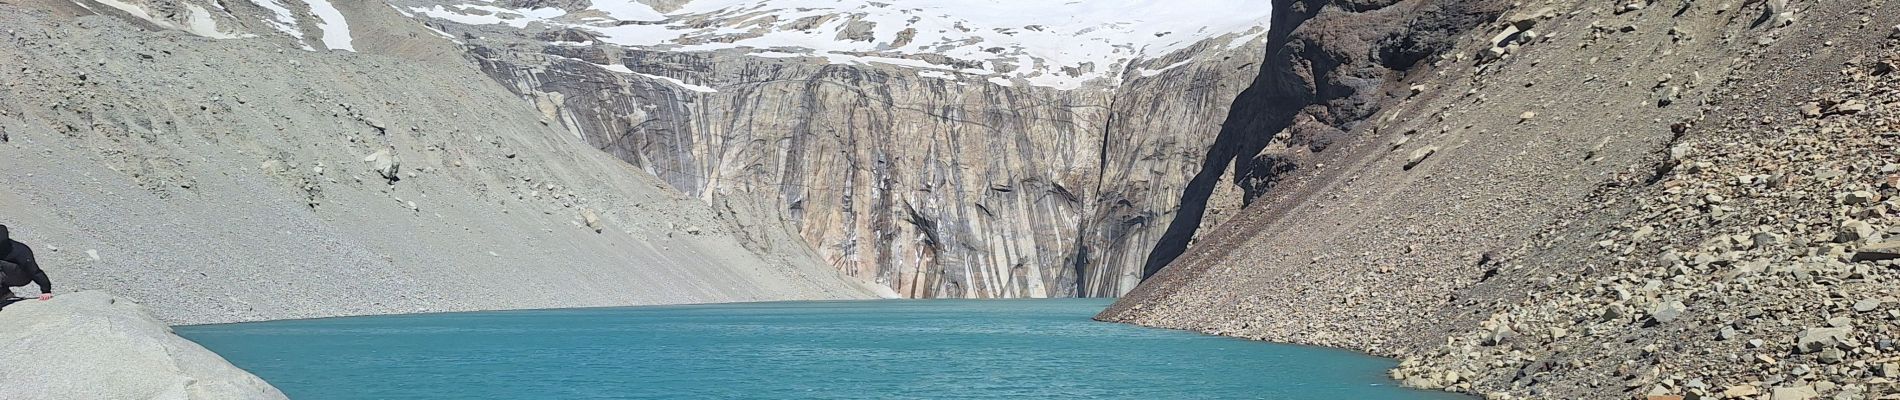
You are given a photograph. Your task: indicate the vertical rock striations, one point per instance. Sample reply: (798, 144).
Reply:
(964, 182)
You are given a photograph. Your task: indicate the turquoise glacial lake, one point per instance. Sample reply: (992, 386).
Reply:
(915, 349)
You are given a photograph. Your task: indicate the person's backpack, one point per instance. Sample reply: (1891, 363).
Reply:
(12, 274)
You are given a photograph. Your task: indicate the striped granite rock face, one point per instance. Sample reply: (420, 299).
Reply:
(933, 175)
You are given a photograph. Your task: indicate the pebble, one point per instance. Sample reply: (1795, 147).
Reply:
(1866, 305)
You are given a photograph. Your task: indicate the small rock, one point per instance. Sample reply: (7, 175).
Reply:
(1816, 339)
(1848, 107)
(1794, 393)
(1840, 322)
(383, 163)
(1507, 37)
(1765, 240)
(1741, 391)
(1526, 116)
(1856, 197)
(1866, 305)
(1854, 230)
(1784, 19)
(1667, 311)
(1889, 370)
(93, 254)
(1667, 94)
(1499, 336)
(1878, 251)
(1612, 313)
(592, 219)
(1419, 156)
(1811, 109)
(1832, 356)
(271, 166)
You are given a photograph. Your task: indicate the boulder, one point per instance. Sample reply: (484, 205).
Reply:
(1816, 339)
(91, 345)
(1419, 156)
(1527, 20)
(1878, 251)
(1506, 37)
(1855, 230)
(592, 219)
(1848, 107)
(1866, 305)
(1498, 336)
(385, 164)
(1857, 197)
(1667, 311)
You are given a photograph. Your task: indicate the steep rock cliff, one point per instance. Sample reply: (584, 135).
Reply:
(983, 167)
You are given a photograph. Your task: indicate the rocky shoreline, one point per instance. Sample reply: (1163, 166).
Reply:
(1762, 262)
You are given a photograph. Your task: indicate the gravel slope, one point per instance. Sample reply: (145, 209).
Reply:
(234, 180)
(1574, 213)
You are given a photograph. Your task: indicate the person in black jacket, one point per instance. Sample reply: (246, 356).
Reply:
(17, 267)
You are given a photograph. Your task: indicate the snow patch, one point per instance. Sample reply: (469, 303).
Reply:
(680, 83)
(675, 81)
(197, 20)
(480, 14)
(281, 18)
(629, 11)
(615, 68)
(1152, 72)
(336, 30)
(1055, 43)
(936, 74)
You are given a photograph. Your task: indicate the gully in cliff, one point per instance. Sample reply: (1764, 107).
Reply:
(17, 268)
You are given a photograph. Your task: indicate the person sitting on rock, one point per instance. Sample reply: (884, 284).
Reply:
(17, 267)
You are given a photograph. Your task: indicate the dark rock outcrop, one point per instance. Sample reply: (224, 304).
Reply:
(1329, 65)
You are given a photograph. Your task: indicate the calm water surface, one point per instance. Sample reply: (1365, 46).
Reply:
(1031, 349)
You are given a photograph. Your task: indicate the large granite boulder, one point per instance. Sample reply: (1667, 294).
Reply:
(91, 345)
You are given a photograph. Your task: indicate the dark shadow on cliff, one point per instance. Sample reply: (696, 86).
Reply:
(1329, 65)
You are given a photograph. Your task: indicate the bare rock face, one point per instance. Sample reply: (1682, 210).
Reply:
(991, 179)
(91, 345)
